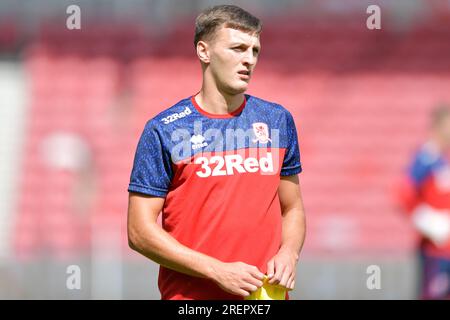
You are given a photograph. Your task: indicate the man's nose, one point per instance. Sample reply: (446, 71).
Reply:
(249, 58)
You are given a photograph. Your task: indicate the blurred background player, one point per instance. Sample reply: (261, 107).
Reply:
(426, 197)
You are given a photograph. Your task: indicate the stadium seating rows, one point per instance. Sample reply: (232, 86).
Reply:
(360, 102)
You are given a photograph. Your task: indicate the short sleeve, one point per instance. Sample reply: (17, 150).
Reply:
(418, 171)
(422, 167)
(152, 170)
(291, 162)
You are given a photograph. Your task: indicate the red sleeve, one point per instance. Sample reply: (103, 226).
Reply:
(406, 195)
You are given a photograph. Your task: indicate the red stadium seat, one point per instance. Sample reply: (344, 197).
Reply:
(358, 110)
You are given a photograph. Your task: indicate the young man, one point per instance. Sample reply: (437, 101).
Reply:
(222, 167)
(426, 196)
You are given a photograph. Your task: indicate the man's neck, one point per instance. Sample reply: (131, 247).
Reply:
(213, 101)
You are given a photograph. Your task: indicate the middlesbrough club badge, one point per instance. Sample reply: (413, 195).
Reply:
(261, 131)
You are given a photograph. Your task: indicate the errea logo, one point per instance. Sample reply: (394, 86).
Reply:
(198, 141)
(176, 116)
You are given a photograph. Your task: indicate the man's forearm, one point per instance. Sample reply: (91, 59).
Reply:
(157, 245)
(293, 230)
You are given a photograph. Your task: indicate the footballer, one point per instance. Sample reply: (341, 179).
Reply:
(221, 166)
(425, 196)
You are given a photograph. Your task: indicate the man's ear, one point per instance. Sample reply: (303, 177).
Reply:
(203, 51)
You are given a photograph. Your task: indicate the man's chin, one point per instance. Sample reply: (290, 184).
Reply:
(238, 89)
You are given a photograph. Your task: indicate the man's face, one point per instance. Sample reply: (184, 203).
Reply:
(444, 130)
(233, 57)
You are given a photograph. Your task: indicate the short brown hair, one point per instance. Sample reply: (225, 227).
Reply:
(230, 16)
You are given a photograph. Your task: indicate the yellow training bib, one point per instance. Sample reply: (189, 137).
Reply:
(268, 292)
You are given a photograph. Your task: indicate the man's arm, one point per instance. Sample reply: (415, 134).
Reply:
(282, 267)
(149, 239)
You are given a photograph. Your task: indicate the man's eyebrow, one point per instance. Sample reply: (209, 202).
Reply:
(239, 44)
(244, 44)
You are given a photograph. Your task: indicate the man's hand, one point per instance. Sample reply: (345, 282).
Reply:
(281, 268)
(238, 278)
(432, 223)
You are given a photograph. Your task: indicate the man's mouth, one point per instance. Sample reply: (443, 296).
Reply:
(244, 74)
